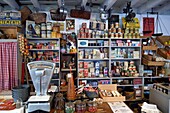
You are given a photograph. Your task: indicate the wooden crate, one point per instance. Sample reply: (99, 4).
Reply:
(163, 39)
(148, 57)
(154, 47)
(152, 63)
(110, 87)
(162, 52)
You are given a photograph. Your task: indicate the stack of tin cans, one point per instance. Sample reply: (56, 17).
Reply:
(115, 31)
(84, 32)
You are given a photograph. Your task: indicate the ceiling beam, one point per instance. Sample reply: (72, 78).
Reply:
(109, 3)
(36, 4)
(134, 2)
(83, 3)
(149, 5)
(60, 3)
(163, 8)
(12, 3)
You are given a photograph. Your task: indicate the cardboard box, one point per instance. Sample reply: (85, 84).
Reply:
(110, 87)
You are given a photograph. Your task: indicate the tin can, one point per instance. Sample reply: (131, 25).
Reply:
(129, 35)
(54, 34)
(83, 35)
(116, 35)
(117, 25)
(131, 30)
(127, 30)
(43, 34)
(136, 30)
(119, 30)
(125, 35)
(83, 25)
(86, 30)
(112, 25)
(48, 34)
(114, 30)
(120, 35)
(43, 27)
(112, 35)
(81, 30)
(49, 26)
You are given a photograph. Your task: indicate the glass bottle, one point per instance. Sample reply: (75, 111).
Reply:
(59, 101)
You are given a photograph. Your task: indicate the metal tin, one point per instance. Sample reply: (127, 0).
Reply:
(116, 25)
(81, 30)
(43, 34)
(54, 34)
(83, 35)
(119, 30)
(127, 30)
(131, 30)
(43, 26)
(86, 30)
(49, 25)
(83, 25)
(48, 34)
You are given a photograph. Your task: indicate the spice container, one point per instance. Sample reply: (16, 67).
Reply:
(69, 107)
(92, 107)
(81, 107)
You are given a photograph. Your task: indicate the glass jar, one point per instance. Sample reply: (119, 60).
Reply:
(49, 26)
(69, 107)
(81, 107)
(59, 101)
(43, 26)
(92, 107)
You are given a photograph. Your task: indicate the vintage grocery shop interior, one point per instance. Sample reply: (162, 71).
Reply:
(84, 56)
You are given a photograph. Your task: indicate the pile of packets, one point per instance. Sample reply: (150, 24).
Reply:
(7, 104)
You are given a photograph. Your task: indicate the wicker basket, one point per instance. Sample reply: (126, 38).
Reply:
(162, 52)
(38, 17)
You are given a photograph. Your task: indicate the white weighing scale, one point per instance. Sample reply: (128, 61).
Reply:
(41, 73)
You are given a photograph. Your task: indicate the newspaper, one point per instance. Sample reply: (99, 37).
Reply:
(119, 107)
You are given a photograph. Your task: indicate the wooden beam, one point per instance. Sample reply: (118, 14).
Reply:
(36, 4)
(149, 5)
(12, 3)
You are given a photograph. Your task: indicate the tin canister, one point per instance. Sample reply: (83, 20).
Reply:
(43, 34)
(119, 30)
(54, 34)
(86, 30)
(49, 34)
(83, 25)
(127, 30)
(117, 25)
(131, 30)
(81, 30)
(49, 26)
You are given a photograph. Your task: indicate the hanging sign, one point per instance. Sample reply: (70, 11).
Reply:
(10, 19)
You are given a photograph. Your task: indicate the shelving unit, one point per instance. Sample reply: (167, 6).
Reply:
(47, 49)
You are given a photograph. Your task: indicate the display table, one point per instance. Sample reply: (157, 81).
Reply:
(20, 110)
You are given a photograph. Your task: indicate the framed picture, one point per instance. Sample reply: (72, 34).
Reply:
(70, 25)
